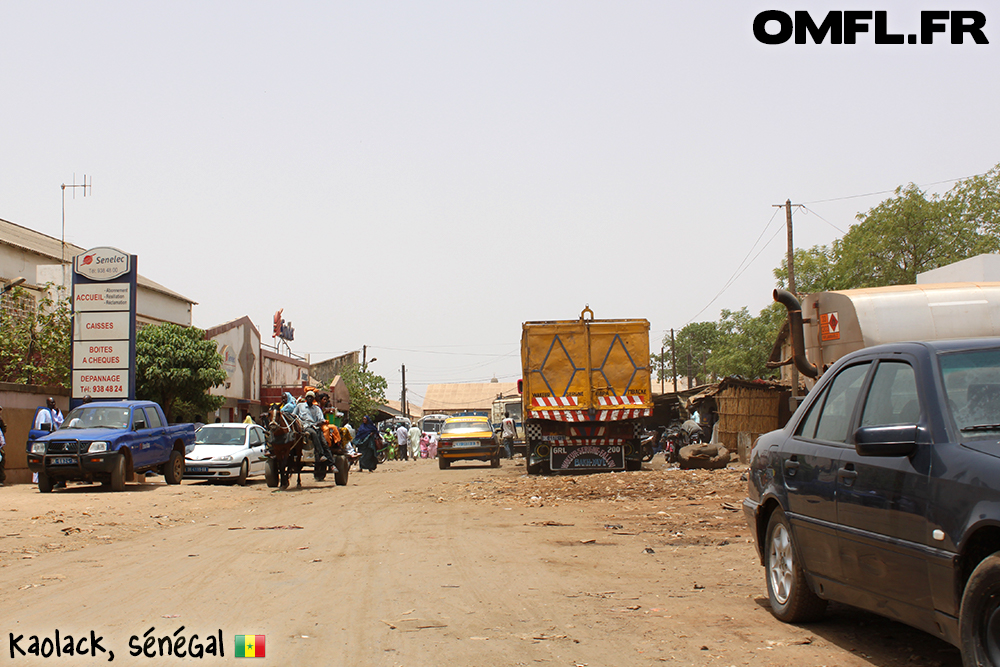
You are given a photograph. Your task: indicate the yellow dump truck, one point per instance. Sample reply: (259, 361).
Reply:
(584, 392)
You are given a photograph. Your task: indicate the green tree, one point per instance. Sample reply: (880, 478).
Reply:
(367, 391)
(816, 270)
(35, 345)
(693, 346)
(745, 342)
(176, 367)
(903, 236)
(977, 201)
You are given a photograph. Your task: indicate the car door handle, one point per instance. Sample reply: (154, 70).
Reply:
(847, 474)
(791, 466)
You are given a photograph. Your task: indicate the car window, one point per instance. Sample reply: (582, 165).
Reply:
(972, 383)
(892, 397)
(255, 437)
(152, 417)
(807, 428)
(835, 418)
(139, 419)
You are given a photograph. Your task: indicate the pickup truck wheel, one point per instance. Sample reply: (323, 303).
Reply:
(244, 473)
(174, 472)
(271, 473)
(343, 469)
(118, 474)
(792, 601)
(44, 483)
(979, 615)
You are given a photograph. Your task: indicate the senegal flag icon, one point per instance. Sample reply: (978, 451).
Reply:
(249, 646)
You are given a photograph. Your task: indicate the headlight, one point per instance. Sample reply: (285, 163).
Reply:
(227, 457)
(38, 448)
(97, 447)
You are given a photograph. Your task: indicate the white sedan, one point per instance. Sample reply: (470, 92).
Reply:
(226, 452)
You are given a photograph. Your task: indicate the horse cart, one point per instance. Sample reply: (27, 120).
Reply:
(290, 450)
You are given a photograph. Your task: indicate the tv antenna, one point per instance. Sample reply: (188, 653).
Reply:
(73, 186)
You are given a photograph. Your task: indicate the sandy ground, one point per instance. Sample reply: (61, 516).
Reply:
(412, 565)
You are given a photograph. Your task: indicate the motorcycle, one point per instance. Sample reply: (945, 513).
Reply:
(646, 446)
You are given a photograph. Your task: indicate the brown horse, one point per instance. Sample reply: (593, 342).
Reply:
(285, 438)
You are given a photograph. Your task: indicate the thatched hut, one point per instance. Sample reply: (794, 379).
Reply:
(750, 407)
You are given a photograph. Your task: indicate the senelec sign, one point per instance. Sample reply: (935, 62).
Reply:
(102, 264)
(105, 290)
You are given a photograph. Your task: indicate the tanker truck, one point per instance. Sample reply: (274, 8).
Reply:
(825, 326)
(584, 392)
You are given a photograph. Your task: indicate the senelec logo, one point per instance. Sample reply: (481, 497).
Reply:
(89, 259)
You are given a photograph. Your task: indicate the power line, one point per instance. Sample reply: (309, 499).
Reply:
(883, 192)
(743, 266)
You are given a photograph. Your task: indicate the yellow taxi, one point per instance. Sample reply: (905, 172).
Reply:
(468, 437)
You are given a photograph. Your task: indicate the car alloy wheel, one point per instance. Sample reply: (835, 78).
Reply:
(780, 563)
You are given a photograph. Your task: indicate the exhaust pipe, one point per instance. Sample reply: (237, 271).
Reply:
(788, 300)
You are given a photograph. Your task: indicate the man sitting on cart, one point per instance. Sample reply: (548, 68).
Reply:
(311, 416)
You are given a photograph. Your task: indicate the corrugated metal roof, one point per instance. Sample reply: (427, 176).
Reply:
(465, 396)
(47, 246)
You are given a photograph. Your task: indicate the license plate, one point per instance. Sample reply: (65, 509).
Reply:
(63, 461)
(195, 468)
(467, 443)
(587, 458)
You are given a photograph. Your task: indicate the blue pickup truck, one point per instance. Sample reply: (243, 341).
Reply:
(107, 441)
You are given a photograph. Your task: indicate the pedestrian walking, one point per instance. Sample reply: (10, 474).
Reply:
(3, 443)
(367, 441)
(413, 441)
(507, 434)
(402, 442)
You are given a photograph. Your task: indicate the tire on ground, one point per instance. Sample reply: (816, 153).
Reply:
(44, 483)
(271, 473)
(979, 614)
(118, 473)
(343, 469)
(173, 473)
(792, 601)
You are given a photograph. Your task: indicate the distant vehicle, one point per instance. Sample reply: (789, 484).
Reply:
(432, 423)
(585, 392)
(883, 492)
(226, 453)
(468, 438)
(105, 441)
(511, 405)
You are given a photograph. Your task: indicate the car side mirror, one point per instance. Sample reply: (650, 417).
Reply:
(893, 440)
(47, 426)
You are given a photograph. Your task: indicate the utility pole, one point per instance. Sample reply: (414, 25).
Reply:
(791, 279)
(663, 368)
(673, 358)
(402, 399)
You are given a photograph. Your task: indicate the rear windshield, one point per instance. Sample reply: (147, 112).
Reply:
(432, 426)
(972, 384)
(466, 427)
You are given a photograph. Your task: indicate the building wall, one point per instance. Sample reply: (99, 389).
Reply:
(19, 403)
(325, 371)
(280, 374)
(239, 344)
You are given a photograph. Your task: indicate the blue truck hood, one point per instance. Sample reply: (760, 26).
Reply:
(89, 434)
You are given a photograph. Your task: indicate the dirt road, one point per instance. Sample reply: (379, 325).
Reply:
(412, 565)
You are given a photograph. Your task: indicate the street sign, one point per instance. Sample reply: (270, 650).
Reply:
(105, 287)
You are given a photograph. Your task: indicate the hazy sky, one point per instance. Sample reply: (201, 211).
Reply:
(423, 177)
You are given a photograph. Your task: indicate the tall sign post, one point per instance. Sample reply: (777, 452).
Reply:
(105, 287)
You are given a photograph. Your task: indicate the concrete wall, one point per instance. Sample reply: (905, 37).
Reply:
(19, 403)
(239, 344)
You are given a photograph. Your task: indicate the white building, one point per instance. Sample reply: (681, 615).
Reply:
(38, 258)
